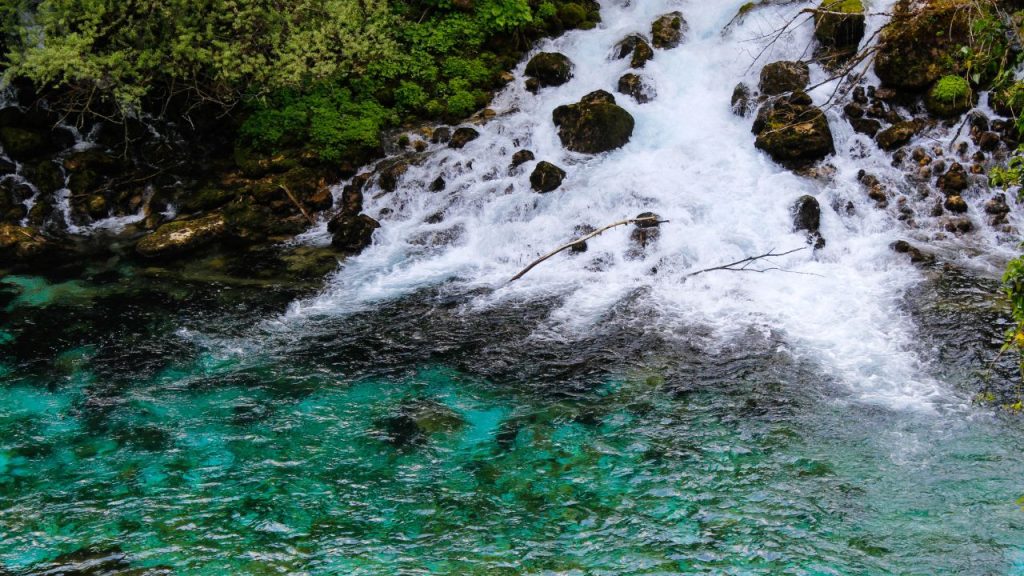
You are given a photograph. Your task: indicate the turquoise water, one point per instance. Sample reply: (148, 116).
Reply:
(184, 431)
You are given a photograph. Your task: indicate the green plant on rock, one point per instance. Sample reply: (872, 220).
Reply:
(1013, 286)
(951, 90)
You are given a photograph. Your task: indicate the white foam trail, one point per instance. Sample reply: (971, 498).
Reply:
(692, 162)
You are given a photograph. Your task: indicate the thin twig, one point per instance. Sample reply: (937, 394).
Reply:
(298, 204)
(650, 219)
(746, 262)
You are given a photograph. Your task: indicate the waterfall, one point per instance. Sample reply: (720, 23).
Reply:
(692, 161)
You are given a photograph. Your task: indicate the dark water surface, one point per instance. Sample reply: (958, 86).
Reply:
(166, 427)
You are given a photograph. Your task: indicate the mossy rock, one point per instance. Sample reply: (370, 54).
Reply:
(1008, 101)
(352, 233)
(182, 236)
(784, 76)
(637, 47)
(919, 44)
(898, 134)
(572, 15)
(207, 198)
(950, 97)
(550, 69)
(793, 131)
(546, 177)
(594, 124)
(22, 144)
(668, 30)
(19, 243)
(840, 23)
(634, 85)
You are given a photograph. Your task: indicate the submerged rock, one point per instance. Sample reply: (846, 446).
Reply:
(668, 30)
(546, 177)
(549, 69)
(637, 48)
(594, 124)
(417, 420)
(784, 76)
(182, 236)
(793, 132)
(916, 255)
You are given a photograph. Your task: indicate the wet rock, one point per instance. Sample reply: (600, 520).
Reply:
(549, 69)
(646, 231)
(463, 136)
(579, 232)
(859, 95)
(840, 24)
(897, 135)
(741, 101)
(352, 233)
(916, 255)
(866, 126)
(417, 420)
(7, 166)
(546, 177)
(988, 141)
(876, 190)
(521, 157)
(594, 124)
(955, 204)
(668, 30)
(807, 217)
(633, 85)
(636, 47)
(920, 42)
(853, 110)
(438, 184)
(954, 181)
(182, 236)
(793, 132)
(950, 97)
(20, 243)
(391, 173)
(997, 205)
(94, 561)
(22, 142)
(441, 135)
(960, 226)
(784, 76)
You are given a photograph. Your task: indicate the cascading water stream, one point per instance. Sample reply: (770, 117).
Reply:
(692, 162)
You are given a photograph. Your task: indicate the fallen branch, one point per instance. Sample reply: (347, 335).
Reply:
(645, 219)
(743, 265)
(298, 205)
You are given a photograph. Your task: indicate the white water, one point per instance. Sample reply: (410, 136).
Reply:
(692, 162)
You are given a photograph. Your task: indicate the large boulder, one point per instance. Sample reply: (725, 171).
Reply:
(637, 48)
(181, 236)
(839, 24)
(919, 44)
(546, 177)
(784, 76)
(668, 30)
(549, 69)
(594, 124)
(793, 131)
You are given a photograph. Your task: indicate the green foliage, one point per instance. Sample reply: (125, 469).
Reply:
(987, 58)
(951, 89)
(1013, 286)
(325, 74)
(1010, 175)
